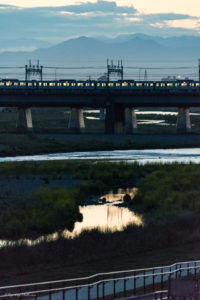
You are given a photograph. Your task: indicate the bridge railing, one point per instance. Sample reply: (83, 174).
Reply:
(103, 286)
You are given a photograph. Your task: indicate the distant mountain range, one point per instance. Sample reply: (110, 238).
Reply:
(177, 41)
(135, 48)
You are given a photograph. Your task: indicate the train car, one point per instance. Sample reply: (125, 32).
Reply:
(178, 85)
(160, 86)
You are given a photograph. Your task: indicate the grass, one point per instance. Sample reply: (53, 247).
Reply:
(161, 192)
(95, 252)
(172, 221)
(51, 121)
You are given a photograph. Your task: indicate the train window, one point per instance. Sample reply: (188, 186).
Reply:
(73, 84)
(139, 84)
(151, 84)
(170, 84)
(92, 84)
(66, 83)
(8, 83)
(15, 83)
(103, 84)
(145, 84)
(52, 83)
(88, 84)
(59, 84)
(184, 84)
(191, 84)
(22, 83)
(157, 84)
(111, 84)
(45, 84)
(117, 84)
(30, 84)
(124, 84)
(176, 84)
(40, 83)
(132, 84)
(162, 84)
(1, 83)
(80, 84)
(197, 83)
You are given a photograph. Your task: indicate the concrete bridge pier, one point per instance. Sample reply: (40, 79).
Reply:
(102, 114)
(24, 119)
(183, 120)
(130, 120)
(115, 119)
(120, 120)
(76, 120)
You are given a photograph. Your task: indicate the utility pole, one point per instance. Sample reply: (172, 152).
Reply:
(145, 76)
(33, 70)
(199, 69)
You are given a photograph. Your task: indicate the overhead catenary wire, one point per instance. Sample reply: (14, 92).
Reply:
(104, 67)
(133, 72)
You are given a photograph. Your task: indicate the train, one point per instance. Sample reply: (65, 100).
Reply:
(176, 85)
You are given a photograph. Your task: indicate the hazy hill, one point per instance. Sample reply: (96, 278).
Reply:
(137, 48)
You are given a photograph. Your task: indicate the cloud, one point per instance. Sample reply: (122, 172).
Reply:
(174, 21)
(89, 19)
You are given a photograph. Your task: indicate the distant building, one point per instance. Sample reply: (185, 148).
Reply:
(174, 78)
(170, 78)
(104, 77)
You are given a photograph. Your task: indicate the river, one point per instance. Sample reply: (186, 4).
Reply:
(110, 215)
(106, 217)
(182, 155)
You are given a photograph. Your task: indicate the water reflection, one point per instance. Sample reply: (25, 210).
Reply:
(154, 122)
(105, 218)
(115, 198)
(110, 216)
(182, 155)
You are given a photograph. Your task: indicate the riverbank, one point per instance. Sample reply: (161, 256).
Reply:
(160, 192)
(32, 144)
(168, 235)
(51, 262)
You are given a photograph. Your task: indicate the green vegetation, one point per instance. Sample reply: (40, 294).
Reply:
(161, 193)
(169, 190)
(167, 196)
(31, 143)
(48, 210)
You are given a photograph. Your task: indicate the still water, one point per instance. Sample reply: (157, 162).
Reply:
(110, 216)
(183, 155)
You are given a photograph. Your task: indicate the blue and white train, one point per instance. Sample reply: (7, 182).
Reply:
(177, 85)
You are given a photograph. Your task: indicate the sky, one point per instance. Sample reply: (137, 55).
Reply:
(147, 6)
(50, 22)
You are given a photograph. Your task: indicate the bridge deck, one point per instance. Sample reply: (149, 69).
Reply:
(97, 98)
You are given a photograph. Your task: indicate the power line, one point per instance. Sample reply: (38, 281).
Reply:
(104, 67)
(12, 67)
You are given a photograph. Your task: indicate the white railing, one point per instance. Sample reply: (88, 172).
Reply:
(103, 285)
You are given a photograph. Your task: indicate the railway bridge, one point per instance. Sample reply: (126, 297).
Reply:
(119, 104)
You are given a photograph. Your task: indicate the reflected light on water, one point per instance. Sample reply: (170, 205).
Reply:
(117, 198)
(104, 217)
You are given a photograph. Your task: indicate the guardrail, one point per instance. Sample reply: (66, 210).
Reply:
(103, 286)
